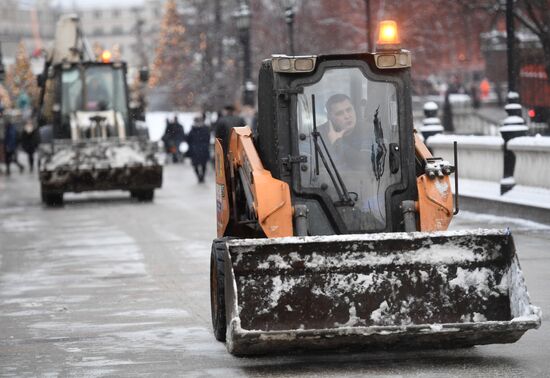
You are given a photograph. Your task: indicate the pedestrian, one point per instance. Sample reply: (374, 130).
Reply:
(198, 140)
(29, 142)
(11, 142)
(224, 125)
(484, 88)
(172, 138)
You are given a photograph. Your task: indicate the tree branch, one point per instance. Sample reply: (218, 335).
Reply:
(533, 16)
(528, 23)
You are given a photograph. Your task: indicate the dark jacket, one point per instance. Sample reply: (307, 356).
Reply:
(173, 134)
(30, 141)
(198, 140)
(224, 126)
(10, 137)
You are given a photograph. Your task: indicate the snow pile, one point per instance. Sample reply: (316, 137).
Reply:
(527, 141)
(121, 156)
(481, 280)
(466, 141)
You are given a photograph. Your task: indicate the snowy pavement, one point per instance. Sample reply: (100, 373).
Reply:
(106, 286)
(524, 202)
(521, 195)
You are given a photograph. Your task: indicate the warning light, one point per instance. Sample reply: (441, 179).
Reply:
(531, 113)
(387, 34)
(106, 56)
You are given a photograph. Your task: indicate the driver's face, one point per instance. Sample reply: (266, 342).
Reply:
(342, 115)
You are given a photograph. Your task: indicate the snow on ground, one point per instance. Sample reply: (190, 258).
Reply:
(156, 122)
(492, 220)
(522, 195)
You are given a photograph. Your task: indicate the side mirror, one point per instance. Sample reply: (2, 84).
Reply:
(144, 74)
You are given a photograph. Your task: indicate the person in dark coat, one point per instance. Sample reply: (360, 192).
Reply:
(29, 142)
(198, 140)
(10, 146)
(224, 125)
(172, 138)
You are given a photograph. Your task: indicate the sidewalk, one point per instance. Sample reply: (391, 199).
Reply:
(522, 201)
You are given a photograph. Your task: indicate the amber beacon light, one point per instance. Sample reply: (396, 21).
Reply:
(106, 56)
(387, 34)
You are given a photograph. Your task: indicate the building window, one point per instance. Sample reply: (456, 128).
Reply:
(117, 30)
(98, 31)
(116, 13)
(97, 14)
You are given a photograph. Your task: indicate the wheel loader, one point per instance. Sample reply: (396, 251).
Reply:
(332, 222)
(89, 137)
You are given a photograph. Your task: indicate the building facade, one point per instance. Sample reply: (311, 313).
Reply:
(133, 29)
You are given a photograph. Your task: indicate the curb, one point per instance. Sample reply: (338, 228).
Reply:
(504, 209)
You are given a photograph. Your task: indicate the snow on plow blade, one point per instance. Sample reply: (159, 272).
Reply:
(442, 289)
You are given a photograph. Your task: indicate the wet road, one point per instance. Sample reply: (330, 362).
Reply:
(106, 286)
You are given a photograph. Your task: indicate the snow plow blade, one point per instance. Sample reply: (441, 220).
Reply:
(392, 290)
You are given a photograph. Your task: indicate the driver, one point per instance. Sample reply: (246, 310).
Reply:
(342, 118)
(341, 133)
(97, 95)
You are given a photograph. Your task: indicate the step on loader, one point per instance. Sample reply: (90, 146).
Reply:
(333, 218)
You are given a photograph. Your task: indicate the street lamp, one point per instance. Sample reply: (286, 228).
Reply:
(370, 44)
(511, 46)
(242, 20)
(289, 19)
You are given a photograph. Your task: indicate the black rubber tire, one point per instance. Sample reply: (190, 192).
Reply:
(145, 195)
(52, 199)
(217, 289)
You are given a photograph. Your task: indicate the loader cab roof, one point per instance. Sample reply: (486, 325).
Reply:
(304, 64)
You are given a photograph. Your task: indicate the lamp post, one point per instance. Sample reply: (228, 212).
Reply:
(289, 19)
(242, 20)
(370, 43)
(511, 46)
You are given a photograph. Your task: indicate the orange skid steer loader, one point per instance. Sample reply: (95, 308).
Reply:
(332, 222)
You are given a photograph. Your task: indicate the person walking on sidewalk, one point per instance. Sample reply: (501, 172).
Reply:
(224, 125)
(29, 142)
(10, 146)
(198, 140)
(172, 138)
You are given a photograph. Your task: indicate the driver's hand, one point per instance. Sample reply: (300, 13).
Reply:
(334, 135)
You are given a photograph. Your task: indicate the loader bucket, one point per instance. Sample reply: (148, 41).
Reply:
(391, 290)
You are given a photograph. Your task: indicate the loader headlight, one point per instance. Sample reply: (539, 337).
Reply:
(398, 59)
(285, 64)
(293, 64)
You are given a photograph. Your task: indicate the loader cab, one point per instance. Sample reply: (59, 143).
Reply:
(87, 100)
(338, 129)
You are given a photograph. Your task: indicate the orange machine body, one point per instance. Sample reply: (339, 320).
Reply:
(272, 204)
(435, 199)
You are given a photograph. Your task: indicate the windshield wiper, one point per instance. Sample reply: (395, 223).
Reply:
(338, 182)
